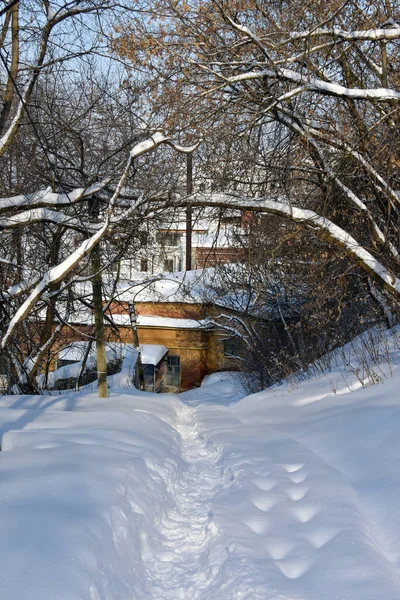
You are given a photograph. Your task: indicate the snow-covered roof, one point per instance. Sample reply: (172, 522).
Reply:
(75, 352)
(85, 317)
(184, 286)
(220, 286)
(170, 322)
(151, 354)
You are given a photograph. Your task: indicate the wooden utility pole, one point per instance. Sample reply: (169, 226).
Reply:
(97, 291)
(189, 192)
(102, 387)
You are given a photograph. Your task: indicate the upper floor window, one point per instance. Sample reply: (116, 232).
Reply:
(144, 238)
(144, 264)
(168, 238)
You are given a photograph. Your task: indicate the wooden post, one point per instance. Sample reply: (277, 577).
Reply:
(102, 387)
(189, 191)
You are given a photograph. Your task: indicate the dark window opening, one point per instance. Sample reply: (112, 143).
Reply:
(144, 238)
(169, 265)
(63, 363)
(233, 346)
(144, 264)
(148, 374)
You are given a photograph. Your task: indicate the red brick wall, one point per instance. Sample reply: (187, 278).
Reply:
(161, 309)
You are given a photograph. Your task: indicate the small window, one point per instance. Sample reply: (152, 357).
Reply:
(168, 238)
(233, 346)
(148, 374)
(144, 264)
(144, 238)
(169, 265)
(174, 371)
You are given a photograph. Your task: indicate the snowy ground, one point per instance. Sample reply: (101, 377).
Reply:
(288, 494)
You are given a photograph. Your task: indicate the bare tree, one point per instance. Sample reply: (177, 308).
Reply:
(63, 128)
(315, 86)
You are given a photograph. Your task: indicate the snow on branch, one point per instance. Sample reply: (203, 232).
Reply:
(311, 219)
(155, 140)
(54, 275)
(8, 136)
(43, 198)
(368, 34)
(10, 263)
(232, 330)
(18, 289)
(317, 85)
(40, 215)
(60, 271)
(308, 133)
(337, 143)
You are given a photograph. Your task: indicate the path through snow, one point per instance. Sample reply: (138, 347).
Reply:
(179, 568)
(292, 493)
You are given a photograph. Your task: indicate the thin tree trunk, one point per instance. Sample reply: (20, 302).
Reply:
(9, 91)
(83, 365)
(136, 345)
(43, 359)
(102, 387)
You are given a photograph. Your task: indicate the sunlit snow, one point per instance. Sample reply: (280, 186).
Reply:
(291, 493)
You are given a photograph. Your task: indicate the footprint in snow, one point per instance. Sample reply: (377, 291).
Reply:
(297, 493)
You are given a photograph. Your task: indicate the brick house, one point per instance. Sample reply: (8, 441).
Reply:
(172, 314)
(195, 348)
(177, 312)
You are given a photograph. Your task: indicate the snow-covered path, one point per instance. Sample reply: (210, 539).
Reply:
(178, 567)
(290, 494)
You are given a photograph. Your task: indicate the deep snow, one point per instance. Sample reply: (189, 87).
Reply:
(289, 494)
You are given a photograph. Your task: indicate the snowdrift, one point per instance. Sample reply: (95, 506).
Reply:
(291, 493)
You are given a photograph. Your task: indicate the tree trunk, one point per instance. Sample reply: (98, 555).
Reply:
(43, 359)
(9, 91)
(83, 365)
(102, 387)
(133, 318)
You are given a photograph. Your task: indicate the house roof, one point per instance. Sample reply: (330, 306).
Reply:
(151, 354)
(225, 287)
(168, 322)
(85, 317)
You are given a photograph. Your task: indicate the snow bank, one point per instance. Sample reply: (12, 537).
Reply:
(81, 491)
(289, 493)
